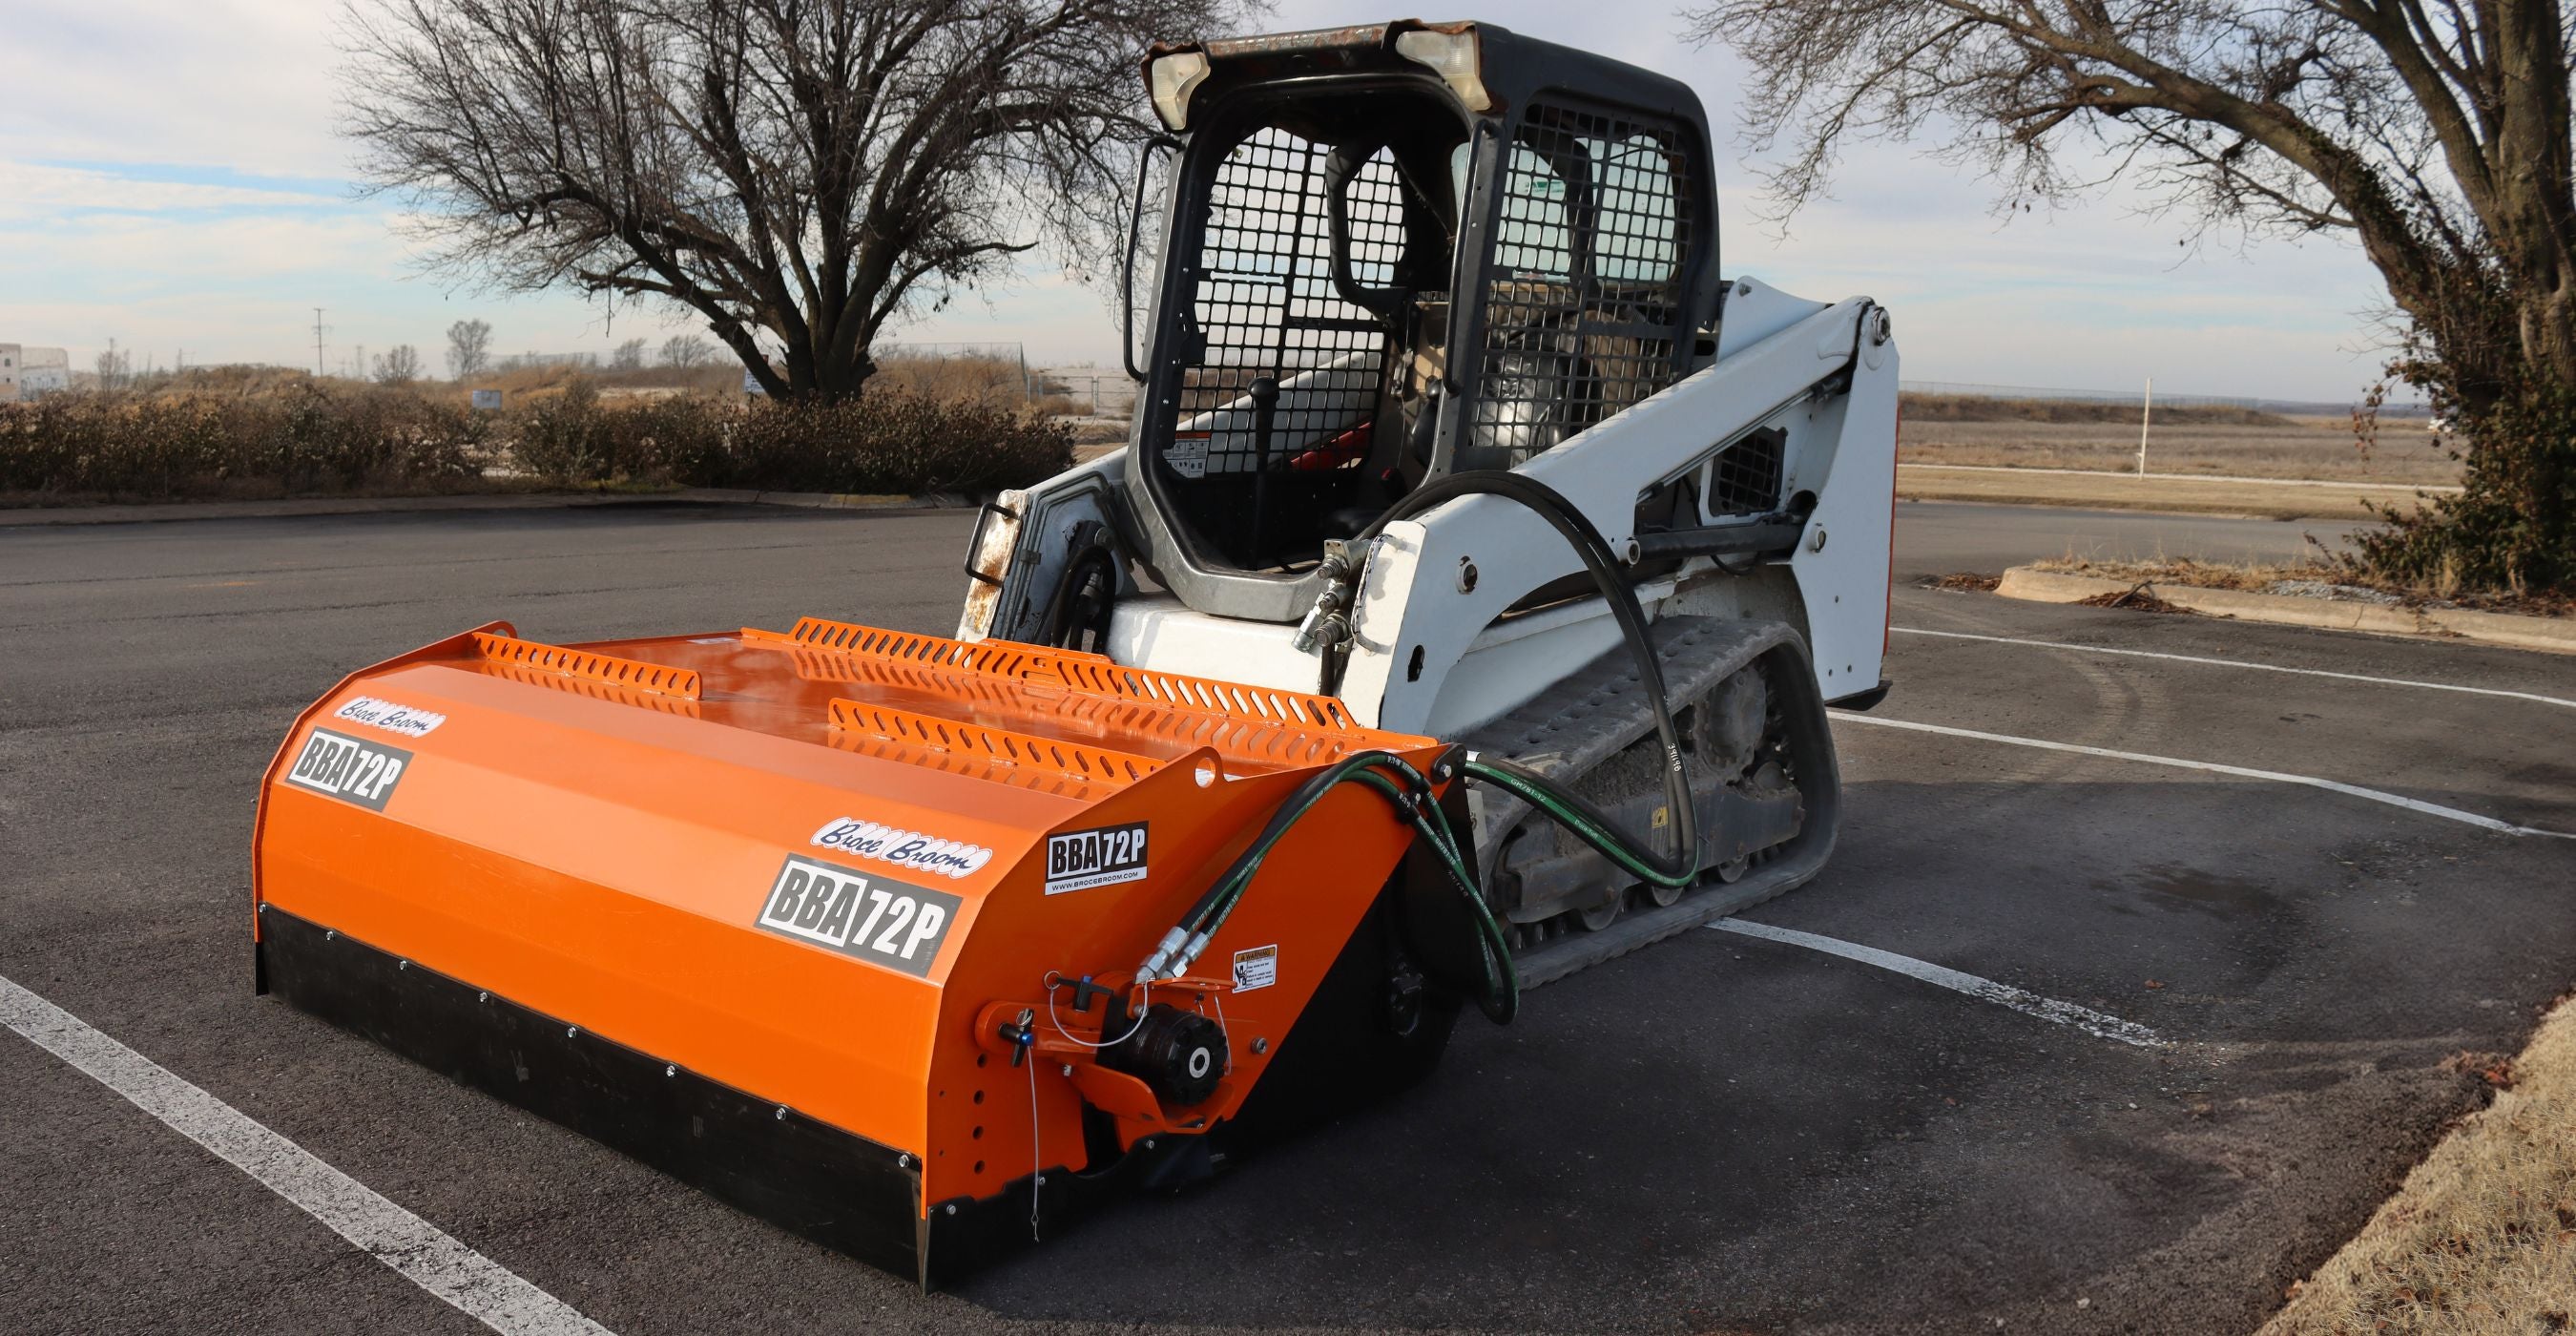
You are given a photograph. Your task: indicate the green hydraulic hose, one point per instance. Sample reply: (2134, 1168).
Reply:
(1500, 996)
(1587, 822)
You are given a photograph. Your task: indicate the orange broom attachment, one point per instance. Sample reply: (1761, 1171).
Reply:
(844, 924)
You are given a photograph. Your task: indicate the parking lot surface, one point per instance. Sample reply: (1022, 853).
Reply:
(1922, 1132)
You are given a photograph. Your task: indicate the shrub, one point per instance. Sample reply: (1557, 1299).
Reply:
(307, 436)
(889, 441)
(2512, 526)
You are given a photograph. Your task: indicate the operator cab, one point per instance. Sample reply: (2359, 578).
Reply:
(1349, 210)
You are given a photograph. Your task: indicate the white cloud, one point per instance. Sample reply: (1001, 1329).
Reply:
(2093, 295)
(37, 192)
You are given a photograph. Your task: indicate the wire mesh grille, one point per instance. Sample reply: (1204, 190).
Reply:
(1265, 303)
(1744, 479)
(1583, 285)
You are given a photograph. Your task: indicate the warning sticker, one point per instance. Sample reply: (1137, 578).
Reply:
(1256, 968)
(1188, 454)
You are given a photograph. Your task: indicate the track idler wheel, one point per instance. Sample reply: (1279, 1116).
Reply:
(1180, 1054)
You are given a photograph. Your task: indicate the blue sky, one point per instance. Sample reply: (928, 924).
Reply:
(169, 177)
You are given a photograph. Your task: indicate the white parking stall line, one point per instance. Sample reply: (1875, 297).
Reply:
(2028, 1003)
(2212, 767)
(430, 1258)
(2240, 663)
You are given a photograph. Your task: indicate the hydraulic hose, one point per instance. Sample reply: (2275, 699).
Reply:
(1681, 866)
(1588, 823)
(1500, 999)
(1406, 788)
(1060, 630)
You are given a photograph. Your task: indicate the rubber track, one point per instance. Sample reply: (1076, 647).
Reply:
(1591, 715)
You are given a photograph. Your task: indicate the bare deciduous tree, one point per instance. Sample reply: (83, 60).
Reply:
(2433, 132)
(796, 172)
(629, 356)
(686, 350)
(469, 348)
(400, 366)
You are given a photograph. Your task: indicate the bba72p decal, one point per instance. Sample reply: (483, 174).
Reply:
(353, 770)
(1079, 860)
(877, 919)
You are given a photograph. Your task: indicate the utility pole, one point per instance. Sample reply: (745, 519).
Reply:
(317, 341)
(2146, 412)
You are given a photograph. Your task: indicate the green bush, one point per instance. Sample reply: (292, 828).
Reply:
(2511, 528)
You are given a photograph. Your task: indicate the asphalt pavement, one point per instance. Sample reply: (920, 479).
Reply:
(1721, 1132)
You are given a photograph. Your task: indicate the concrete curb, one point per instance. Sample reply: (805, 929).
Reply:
(172, 511)
(831, 500)
(2495, 628)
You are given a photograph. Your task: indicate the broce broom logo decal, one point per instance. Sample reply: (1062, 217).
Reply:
(903, 848)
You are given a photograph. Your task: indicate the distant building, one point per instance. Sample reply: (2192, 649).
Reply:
(43, 371)
(32, 373)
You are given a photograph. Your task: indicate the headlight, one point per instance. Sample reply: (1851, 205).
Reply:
(1454, 57)
(1173, 78)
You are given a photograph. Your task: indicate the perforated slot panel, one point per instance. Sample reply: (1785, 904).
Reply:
(1200, 693)
(578, 663)
(1243, 742)
(1050, 782)
(684, 706)
(1000, 658)
(1250, 728)
(1584, 276)
(997, 746)
(881, 655)
(974, 688)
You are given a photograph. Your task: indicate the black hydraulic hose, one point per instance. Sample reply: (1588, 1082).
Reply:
(1060, 631)
(1578, 531)
(1204, 914)
(1181, 945)
(1410, 792)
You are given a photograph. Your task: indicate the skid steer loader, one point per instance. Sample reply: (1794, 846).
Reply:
(1462, 611)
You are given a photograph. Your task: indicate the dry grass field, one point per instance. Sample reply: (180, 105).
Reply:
(2030, 486)
(2226, 441)
(2481, 1240)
